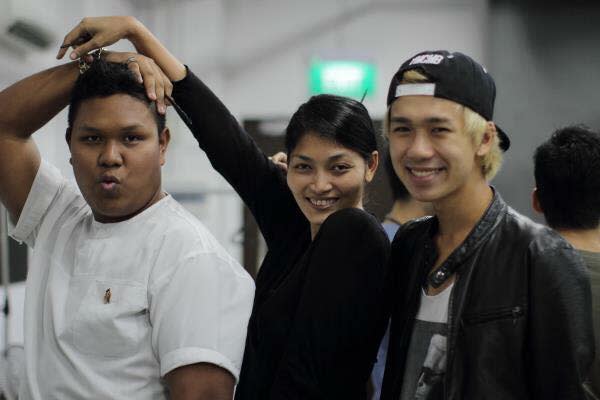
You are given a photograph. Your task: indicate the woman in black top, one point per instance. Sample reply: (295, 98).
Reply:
(318, 313)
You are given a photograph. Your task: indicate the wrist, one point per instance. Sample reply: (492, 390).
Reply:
(134, 31)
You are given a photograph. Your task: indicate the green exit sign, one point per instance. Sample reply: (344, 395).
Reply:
(344, 78)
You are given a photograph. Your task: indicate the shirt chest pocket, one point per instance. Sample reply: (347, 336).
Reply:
(112, 320)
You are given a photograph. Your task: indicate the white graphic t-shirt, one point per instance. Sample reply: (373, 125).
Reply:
(426, 358)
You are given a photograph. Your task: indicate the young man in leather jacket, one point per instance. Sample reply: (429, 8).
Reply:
(486, 304)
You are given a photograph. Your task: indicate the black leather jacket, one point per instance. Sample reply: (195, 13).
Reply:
(519, 316)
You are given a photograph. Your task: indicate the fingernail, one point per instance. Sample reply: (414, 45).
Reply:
(73, 55)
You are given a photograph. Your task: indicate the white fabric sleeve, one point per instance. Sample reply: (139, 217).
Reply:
(46, 185)
(199, 313)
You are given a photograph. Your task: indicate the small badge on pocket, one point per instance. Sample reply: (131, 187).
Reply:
(107, 296)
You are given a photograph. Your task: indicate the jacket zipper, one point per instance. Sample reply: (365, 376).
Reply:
(513, 312)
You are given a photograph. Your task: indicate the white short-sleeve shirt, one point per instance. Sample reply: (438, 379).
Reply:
(111, 308)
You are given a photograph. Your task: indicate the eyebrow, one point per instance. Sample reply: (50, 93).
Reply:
(125, 129)
(429, 120)
(335, 157)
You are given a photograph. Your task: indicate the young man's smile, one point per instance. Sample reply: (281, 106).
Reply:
(423, 175)
(431, 152)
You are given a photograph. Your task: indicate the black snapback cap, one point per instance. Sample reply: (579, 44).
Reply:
(454, 76)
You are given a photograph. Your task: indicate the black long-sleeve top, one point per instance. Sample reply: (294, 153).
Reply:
(318, 314)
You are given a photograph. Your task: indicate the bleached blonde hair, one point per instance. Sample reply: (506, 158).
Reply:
(475, 126)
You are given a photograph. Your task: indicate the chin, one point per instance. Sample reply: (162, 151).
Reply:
(427, 195)
(114, 212)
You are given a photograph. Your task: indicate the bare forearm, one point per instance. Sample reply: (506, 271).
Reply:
(203, 395)
(95, 32)
(30, 103)
(200, 382)
(147, 44)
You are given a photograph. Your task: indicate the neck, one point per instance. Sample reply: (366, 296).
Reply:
(459, 213)
(314, 229)
(109, 220)
(404, 211)
(582, 239)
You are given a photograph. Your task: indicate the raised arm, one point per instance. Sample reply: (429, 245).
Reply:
(230, 149)
(27, 106)
(95, 32)
(30, 103)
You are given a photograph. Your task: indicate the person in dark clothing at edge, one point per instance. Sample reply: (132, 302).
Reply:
(486, 303)
(318, 314)
(567, 179)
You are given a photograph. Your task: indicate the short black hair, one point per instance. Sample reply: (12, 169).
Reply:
(105, 79)
(399, 191)
(340, 119)
(567, 176)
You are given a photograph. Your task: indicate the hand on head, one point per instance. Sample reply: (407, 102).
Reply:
(96, 32)
(157, 84)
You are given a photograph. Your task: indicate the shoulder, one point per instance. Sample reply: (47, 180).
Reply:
(182, 241)
(351, 240)
(350, 243)
(51, 183)
(540, 238)
(181, 228)
(550, 254)
(412, 230)
(53, 201)
(352, 222)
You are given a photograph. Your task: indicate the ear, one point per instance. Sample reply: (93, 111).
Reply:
(372, 164)
(488, 139)
(535, 201)
(163, 142)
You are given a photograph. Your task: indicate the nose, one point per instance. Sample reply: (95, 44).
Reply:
(420, 147)
(321, 182)
(110, 155)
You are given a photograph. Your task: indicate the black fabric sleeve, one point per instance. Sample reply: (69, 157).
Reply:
(561, 338)
(235, 155)
(341, 318)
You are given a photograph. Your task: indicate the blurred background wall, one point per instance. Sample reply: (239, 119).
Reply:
(546, 61)
(255, 55)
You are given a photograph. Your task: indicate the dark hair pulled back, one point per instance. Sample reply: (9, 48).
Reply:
(340, 119)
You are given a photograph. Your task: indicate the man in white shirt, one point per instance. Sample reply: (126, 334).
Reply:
(128, 295)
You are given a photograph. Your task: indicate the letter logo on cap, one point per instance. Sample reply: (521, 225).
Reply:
(427, 59)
